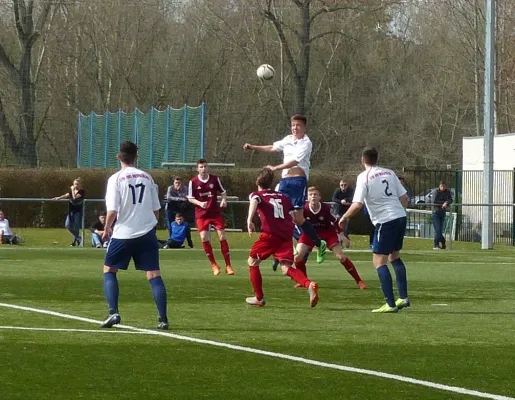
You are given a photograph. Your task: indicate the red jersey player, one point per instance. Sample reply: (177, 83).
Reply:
(327, 228)
(202, 192)
(274, 210)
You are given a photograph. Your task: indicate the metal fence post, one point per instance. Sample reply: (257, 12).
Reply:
(79, 138)
(119, 129)
(136, 131)
(168, 138)
(184, 130)
(202, 128)
(151, 137)
(83, 235)
(92, 117)
(106, 130)
(513, 209)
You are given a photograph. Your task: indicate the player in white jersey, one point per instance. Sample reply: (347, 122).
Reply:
(296, 149)
(133, 202)
(385, 198)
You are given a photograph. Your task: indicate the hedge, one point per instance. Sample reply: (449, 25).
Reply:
(48, 183)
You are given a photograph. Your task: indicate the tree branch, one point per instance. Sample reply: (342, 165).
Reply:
(14, 74)
(18, 20)
(321, 35)
(6, 131)
(40, 23)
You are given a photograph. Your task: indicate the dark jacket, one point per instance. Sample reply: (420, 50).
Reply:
(340, 195)
(176, 200)
(439, 197)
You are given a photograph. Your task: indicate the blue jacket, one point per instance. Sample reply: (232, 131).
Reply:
(181, 232)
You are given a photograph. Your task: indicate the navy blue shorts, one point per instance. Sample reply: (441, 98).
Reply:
(388, 237)
(296, 188)
(144, 250)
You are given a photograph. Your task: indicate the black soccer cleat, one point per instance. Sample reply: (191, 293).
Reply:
(275, 264)
(112, 319)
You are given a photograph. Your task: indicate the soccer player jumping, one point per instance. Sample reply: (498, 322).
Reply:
(326, 225)
(132, 201)
(202, 192)
(296, 149)
(275, 239)
(385, 198)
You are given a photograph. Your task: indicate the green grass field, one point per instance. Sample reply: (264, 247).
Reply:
(459, 331)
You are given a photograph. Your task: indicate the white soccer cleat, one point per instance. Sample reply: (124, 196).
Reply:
(253, 301)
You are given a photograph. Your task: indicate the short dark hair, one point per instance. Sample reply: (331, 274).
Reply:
(298, 117)
(103, 214)
(265, 178)
(128, 152)
(176, 178)
(202, 161)
(179, 215)
(370, 155)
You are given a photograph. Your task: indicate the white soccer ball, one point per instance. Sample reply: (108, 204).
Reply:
(265, 72)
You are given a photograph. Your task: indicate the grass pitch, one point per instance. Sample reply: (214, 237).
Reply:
(458, 332)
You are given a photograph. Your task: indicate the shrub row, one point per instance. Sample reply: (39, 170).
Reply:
(48, 183)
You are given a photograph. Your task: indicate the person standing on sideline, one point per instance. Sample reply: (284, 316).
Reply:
(176, 200)
(386, 200)
(342, 197)
(202, 192)
(296, 149)
(442, 199)
(132, 200)
(74, 218)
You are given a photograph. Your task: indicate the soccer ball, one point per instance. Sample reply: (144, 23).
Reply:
(265, 72)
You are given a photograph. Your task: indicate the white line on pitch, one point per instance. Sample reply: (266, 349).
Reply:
(26, 328)
(419, 382)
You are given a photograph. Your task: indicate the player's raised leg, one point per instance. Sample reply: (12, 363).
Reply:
(348, 265)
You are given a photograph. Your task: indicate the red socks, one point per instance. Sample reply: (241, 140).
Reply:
(257, 282)
(224, 247)
(298, 276)
(209, 252)
(351, 269)
(301, 266)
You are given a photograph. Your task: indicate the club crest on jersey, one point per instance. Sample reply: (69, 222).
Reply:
(211, 186)
(321, 218)
(199, 187)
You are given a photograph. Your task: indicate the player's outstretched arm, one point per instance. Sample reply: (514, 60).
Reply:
(286, 165)
(266, 148)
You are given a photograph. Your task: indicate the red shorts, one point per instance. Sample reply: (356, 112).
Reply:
(268, 244)
(217, 222)
(330, 237)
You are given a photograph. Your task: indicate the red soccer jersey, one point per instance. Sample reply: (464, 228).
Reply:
(206, 190)
(274, 211)
(323, 219)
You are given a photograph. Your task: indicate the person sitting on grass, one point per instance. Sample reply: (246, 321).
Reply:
(6, 235)
(97, 230)
(179, 231)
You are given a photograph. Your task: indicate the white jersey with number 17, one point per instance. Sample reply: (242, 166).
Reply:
(380, 189)
(132, 194)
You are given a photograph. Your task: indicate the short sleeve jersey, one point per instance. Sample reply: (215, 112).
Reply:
(274, 212)
(133, 195)
(379, 189)
(75, 205)
(206, 190)
(295, 149)
(323, 219)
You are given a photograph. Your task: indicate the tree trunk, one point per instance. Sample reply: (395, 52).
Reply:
(27, 149)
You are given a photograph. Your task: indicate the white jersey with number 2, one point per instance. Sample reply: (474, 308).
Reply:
(379, 189)
(132, 194)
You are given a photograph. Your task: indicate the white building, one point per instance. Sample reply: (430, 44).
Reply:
(472, 180)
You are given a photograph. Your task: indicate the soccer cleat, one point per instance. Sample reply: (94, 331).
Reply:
(313, 293)
(321, 252)
(216, 269)
(402, 303)
(386, 309)
(163, 324)
(362, 285)
(111, 319)
(436, 248)
(229, 270)
(253, 301)
(275, 264)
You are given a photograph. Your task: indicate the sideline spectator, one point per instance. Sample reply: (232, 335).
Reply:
(442, 198)
(180, 231)
(97, 230)
(342, 196)
(176, 199)
(6, 234)
(74, 219)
